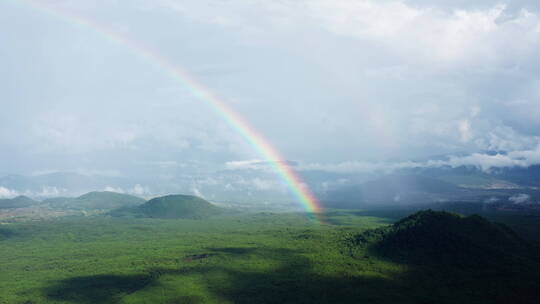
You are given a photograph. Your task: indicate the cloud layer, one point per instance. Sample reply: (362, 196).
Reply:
(336, 85)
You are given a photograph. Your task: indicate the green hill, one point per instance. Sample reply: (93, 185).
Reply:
(469, 258)
(17, 202)
(447, 238)
(177, 206)
(96, 200)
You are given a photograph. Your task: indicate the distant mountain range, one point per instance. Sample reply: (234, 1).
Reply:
(444, 184)
(514, 177)
(95, 201)
(404, 186)
(395, 189)
(54, 184)
(218, 186)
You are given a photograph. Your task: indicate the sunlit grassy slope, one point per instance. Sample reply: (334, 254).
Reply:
(251, 258)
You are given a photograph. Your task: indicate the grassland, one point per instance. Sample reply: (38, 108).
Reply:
(250, 258)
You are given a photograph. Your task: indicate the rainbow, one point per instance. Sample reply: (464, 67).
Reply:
(217, 105)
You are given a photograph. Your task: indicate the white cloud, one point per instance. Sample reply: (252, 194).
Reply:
(8, 193)
(475, 110)
(243, 164)
(503, 138)
(358, 166)
(254, 164)
(268, 184)
(45, 192)
(325, 80)
(135, 190)
(114, 189)
(197, 192)
(50, 192)
(464, 127)
(482, 161)
(437, 34)
(140, 190)
(491, 200)
(485, 162)
(96, 172)
(520, 198)
(70, 133)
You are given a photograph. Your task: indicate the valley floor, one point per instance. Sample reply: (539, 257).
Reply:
(255, 258)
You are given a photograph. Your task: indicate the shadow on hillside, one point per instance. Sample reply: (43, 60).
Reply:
(233, 250)
(98, 288)
(294, 279)
(6, 233)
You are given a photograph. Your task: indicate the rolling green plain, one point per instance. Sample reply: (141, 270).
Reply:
(247, 258)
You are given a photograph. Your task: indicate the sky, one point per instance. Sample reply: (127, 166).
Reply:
(338, 86)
